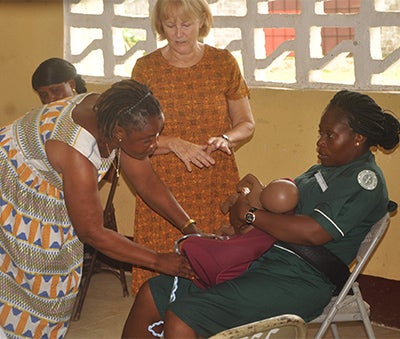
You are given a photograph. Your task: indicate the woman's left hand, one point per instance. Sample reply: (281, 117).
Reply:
(191, 229)
(242, 127)
(218, 143)
(238, 212)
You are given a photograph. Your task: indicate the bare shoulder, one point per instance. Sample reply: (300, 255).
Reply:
(86, 105)
(68, 161)
(84, 115)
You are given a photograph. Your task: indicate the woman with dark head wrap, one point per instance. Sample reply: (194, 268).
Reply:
(55, 79)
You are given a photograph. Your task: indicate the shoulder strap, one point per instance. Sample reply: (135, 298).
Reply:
(323, 260)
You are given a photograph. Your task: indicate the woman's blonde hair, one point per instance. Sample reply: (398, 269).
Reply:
(188, 9)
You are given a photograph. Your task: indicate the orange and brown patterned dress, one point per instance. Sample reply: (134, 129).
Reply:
(194, 102)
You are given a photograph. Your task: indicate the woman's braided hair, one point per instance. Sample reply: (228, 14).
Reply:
(367, 118)
(128, 104)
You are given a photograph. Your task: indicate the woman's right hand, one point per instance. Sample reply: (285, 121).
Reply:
(174, 264)
(190, 153)
(191, 229)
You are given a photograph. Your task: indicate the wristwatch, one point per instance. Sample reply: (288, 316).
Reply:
(250, 216)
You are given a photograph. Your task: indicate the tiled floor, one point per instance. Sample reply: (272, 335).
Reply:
(105, 309)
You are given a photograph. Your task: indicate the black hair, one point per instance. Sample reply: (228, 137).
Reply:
(128, 104)
(367, 118)
(55, 71)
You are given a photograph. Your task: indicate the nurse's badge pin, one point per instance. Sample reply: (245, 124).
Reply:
(367, 179)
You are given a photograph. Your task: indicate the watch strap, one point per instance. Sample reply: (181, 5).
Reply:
(250, 216)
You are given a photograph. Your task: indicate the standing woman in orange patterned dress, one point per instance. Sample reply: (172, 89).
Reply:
(207, 112)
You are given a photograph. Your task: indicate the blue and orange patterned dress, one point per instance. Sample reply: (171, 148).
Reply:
(40, 253)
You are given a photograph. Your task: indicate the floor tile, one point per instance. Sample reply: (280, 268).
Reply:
(104, 310)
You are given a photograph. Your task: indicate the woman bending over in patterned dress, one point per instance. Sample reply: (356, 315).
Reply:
(52, 160)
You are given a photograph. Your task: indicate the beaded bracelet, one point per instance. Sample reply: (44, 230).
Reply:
(187, 224)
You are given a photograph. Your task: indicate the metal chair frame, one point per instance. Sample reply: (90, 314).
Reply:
(352, 307)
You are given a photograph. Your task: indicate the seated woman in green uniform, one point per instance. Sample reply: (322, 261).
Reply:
(340, 199)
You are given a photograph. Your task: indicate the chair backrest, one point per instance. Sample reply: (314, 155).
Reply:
(286, 326)
(370, 242)
(340, 309)
(367, 247)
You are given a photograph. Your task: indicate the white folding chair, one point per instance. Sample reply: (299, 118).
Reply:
(347, 307)
(286, 326)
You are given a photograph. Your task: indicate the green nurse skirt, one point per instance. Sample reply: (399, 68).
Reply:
(276, 283)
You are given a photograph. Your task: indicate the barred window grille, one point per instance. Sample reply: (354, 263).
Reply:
(330, 44)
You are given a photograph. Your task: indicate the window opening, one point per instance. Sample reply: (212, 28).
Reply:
(293, 43)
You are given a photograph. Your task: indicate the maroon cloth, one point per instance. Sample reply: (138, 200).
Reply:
(215, 261)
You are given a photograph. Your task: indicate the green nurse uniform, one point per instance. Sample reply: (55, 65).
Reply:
(346, 201)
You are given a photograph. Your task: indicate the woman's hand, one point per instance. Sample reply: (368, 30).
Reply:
(242, 128)
(174, 264)
(190, 153)
(225, 230)
(238, 212)
(218, 143)
(191, 229)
